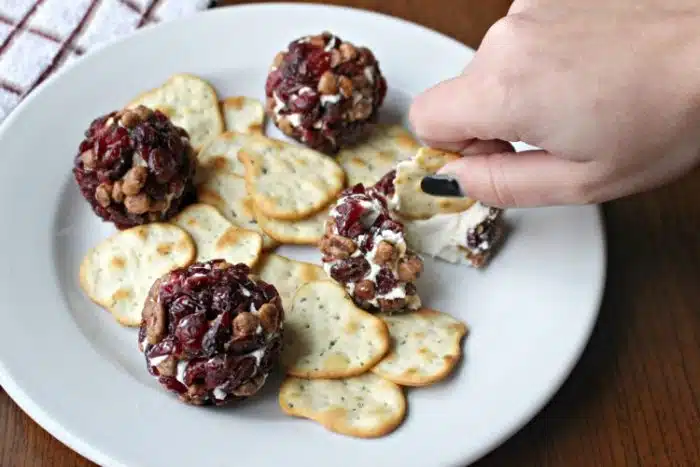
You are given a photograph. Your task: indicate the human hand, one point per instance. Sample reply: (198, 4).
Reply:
(609, 90)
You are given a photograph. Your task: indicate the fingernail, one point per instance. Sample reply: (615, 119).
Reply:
(441, 185)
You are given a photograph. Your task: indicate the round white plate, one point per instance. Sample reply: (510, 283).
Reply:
(79, 374)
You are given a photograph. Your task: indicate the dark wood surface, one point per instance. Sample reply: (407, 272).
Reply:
(634, 398)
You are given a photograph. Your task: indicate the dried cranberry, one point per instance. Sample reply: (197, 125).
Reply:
(386, 184)
(386, 281)
(172, 384)
(162, 164)
(217, 335)
(392, 226)
(167, 346)
(349, 215)
(350, 270)
(304, 102)
(190, 330)
(181, 307)
(216, 371)
(242, 371)
(273, 80)
(243, 345)
(221, 300)
(318, 62)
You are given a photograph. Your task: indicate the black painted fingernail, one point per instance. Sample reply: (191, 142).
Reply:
(441, 185)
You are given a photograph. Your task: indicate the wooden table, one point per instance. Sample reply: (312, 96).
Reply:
(634, 398)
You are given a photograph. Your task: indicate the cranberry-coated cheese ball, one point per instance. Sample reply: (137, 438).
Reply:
(365, 250)
(211, 332)
(324, 92)
(135, 167)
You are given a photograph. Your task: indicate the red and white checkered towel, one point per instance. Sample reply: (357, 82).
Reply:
(39, 36)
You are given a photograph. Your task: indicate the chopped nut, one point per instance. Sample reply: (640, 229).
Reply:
(270, 317)
(137, 204)
(130, 119)
(345, 85)
(167, 367)
(347, 51)
(279, 58)
(250, 387)
(365, 56)
(386, 253)
(134, 180)
(117, 192)
(317, 41)
(143, 112)
(154, 315)
(362, 110)
(89, 159)
(330, 226)
(328, 84)
(158, 205)
(364, 290)
(393, 304)
(361, 83)
(410, 268)
(284, 125)
(338, 246)
(245, 324)
(336, 58)
(102, 195)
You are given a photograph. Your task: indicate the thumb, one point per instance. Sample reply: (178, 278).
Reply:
(525, 179)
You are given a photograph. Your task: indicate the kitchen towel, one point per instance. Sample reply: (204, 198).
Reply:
(37, 37)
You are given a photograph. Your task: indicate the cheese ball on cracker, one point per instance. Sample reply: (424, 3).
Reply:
(135, 167)
(324, 92)
(365, 250)
(211, 332)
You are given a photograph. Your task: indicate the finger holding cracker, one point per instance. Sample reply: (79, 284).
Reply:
(227, 192)
(327, 336)
(217, 238)
(426, 346)
(369, 161)
(243, 114)
(118, 273)
(287, 181)
(364, 406)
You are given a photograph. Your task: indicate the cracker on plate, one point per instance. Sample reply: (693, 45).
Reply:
(227, 192)
(287, 181)
(369, 161)
(410, 201)
(425, 347)
(364, 406)
(307, 231)
(287, 275)
(190, 102)
(221, 153)
(118, 273)
(217, 238)
(243, 114)
(327, 336)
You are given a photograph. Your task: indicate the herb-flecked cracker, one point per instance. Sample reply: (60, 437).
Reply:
(307, 231)
(288, 181)
(364, 406)
(327, 336)
(288, 275)
(118, 273)
(425, 347)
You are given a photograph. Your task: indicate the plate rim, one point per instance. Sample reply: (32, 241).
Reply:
(55, 428)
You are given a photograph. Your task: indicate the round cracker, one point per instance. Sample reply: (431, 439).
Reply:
(287, 181)
(365, 406)
(425, 347)
(243, 114)
(327, 336)
(228, 194)
(118, 273)
(287, 275)
(308, 231)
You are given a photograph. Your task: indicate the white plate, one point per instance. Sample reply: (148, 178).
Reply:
(79, 375)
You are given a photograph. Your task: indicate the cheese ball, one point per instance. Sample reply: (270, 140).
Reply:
(325, 92)
(211, 332)
(135, 167)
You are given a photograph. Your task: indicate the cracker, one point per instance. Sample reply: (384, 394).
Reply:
(364, 406)
(287, 275)
(327, 336)
(228, 194)
(410, 201)
(369, 161)
(308, 231)
(118, 273)
(217, 238)
(243, 114)
(190, 102)
(221, 153)
(426, 346)
(288, 181)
